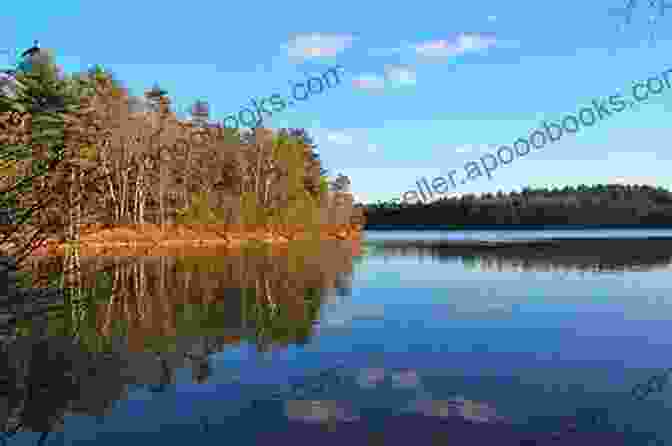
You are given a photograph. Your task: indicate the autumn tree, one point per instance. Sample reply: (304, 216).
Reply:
(35, 143)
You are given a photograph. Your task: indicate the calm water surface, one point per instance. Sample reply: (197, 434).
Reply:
(387, 345)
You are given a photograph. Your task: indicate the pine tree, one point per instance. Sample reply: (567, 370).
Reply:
(40, 98)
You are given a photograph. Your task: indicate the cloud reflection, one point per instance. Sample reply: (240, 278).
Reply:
(457, 407)
(319, 411)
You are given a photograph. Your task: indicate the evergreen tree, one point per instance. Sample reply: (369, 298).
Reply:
(40, 98)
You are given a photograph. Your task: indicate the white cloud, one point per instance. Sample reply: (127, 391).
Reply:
(394, 76)
(439, 48)
(317, 45)
(357, 138)
(370, 82)
(475, 42)
(457, 44)
(400, 75)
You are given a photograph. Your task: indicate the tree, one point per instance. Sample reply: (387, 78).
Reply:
(307, 140)
(146, 157)
(34, 140)
(160, 102)
(341, 184)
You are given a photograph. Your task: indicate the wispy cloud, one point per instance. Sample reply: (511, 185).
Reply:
(394, 76)
(456, 44)
(371, 82)
(351, 137)
(400, 75)
(317, 45)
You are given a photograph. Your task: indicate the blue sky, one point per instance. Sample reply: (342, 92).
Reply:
(428, 85)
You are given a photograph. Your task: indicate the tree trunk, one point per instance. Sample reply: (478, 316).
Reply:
(161, 191)
(258, 173)
(140, 192)
(124, 195)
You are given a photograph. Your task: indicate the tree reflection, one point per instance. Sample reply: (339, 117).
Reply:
(176, 311)
(565, 256)
(256, 296)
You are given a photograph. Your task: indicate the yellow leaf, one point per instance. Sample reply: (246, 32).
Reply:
(8, 168)
(88, 153)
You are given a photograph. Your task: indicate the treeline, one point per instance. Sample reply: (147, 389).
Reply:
(79, 149)
(601, 204)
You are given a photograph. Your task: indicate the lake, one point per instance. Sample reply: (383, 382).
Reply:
(403, 339)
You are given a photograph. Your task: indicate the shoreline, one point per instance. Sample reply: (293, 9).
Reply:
(504, 227)
(149, 239)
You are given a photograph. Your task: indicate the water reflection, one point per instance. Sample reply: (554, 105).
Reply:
(151, 301)
(565, 256)
(131, 323)
(370, 377)
(327, 411)
(466, 409)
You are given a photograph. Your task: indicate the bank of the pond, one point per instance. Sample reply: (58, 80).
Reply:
(150, 239)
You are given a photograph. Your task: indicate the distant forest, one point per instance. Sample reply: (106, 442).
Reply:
(597, 205)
